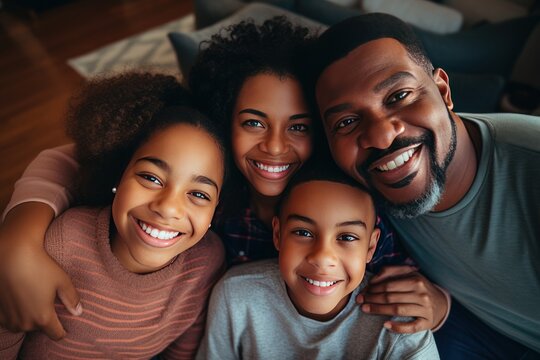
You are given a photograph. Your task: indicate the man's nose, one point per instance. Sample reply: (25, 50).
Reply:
(380, 131)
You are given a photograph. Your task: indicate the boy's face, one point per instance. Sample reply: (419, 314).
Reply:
(325, 236)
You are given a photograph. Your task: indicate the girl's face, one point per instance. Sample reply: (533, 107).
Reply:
(166, 197)
(271, 132)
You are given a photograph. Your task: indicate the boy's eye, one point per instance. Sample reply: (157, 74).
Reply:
(347, 237)
(302, 232)
(253, 123)
(200, 195)
(299, 127)
(398, 96)
(151, 178)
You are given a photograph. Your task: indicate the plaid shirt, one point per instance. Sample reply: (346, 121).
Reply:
(246, 238)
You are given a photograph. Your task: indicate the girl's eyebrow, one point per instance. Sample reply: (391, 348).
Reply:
(165, 167)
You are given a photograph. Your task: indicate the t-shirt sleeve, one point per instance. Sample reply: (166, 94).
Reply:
(48, 179)
(418, 346)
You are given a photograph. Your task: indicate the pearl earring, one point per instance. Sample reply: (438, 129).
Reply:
(113, 190)
(209, 226)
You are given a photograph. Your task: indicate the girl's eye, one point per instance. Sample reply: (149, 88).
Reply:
(151, 178)
(398, 96)
(253, 123)
(200, 195)
(347, 237)
(299, 127)
(302, 232)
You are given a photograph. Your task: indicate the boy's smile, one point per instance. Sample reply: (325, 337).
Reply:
(325, 236)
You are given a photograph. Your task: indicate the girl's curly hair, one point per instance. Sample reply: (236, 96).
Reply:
(111, 117)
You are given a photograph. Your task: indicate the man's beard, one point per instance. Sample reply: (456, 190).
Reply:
(431, 197)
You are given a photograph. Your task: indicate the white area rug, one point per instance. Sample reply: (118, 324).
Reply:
(149, 50)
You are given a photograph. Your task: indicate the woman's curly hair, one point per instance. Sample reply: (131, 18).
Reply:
(111, 117)
(241, 51)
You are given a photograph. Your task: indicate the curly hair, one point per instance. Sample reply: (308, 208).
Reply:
(241, 51)
(111, 117)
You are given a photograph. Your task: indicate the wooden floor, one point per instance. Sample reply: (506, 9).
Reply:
(35, 80)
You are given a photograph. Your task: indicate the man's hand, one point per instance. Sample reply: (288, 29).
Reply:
(403, 291)
(30, 280)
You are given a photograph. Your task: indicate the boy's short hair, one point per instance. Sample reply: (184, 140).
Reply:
(321, 169)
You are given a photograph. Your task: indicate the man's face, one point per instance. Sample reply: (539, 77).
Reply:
(388, 124)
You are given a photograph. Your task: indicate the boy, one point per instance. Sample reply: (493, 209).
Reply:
(304, 306)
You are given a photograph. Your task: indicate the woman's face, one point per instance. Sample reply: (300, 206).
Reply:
(271, 132)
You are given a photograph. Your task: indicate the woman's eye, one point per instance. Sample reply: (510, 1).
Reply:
(398, 96)
(252, 123)
(347, 237)
(302, 232)
(200, 195)
(151, 178)
(299, 127)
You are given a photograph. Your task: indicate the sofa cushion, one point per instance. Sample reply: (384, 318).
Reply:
(186, 45)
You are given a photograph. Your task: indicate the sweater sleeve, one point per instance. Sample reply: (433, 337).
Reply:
(48, 179)
(10, 344)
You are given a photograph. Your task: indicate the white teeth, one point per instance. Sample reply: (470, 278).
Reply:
(159, 234)
(272, 169)
(320, 283)
(398, 161)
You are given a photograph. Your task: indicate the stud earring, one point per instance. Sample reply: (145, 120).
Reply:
(209, 226)
(113, 190)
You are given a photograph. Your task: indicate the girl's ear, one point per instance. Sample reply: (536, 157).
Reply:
(275, 232)
(373, 240)
(443, 84)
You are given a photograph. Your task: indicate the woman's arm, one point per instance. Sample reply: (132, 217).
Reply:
(30, 279)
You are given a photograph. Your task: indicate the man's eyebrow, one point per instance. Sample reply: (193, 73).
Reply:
(392, 80)
(254, 112)
(336, 109)
(205, 180)
(300, 218)
(352, 222)
(158, 162)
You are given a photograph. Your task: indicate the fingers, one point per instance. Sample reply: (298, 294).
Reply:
(391, 272)
(52, 327)
(70, 297)
(407, 327)
(410, 282)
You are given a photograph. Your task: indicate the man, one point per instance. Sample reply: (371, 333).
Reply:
(461, 190)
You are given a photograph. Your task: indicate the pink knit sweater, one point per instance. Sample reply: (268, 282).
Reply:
(126, 315)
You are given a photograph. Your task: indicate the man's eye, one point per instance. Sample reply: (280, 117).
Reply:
(299, 127)
(347, 237)
(398, 96)
(151, 178)
(200, 195)
(252, 123)
(345, 123)
(303, 233)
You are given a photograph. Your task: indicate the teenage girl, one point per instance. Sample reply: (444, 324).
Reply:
(140, 257)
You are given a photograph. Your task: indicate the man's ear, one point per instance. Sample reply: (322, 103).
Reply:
(275, 232)
(373, 240)
(443, 83)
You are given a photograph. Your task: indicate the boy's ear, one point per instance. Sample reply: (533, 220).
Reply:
(443, 83)
(275, 232)
(374, 239)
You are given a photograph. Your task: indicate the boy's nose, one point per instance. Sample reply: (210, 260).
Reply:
(323, 256)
